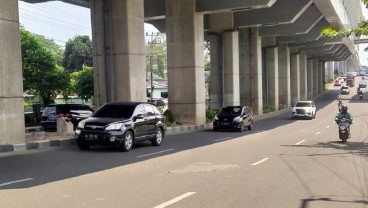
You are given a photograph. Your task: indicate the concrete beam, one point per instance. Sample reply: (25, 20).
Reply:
(313, 34)
(302, 25)
(273, 15)
(219, 6)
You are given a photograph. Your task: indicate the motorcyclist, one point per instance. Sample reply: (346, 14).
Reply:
(339, 105)
(344, 114)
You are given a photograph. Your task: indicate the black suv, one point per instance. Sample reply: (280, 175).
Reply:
(75, 112)
(120, 124)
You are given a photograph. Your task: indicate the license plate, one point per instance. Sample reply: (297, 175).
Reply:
(91, 136)
(225, 123)
(342, 132)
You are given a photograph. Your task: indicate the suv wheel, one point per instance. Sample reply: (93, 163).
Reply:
(127, 143)
(158, 138)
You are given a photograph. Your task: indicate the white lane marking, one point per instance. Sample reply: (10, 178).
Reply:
(300, 142)
(261, 161)
(328, 127)
(318, 132)
(18, 181)
(219, 140)
(155, 153)
(172, 201)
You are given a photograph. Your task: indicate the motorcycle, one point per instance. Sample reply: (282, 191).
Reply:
(360, 95)
(344, 132)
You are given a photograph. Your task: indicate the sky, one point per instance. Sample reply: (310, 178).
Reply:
(58, 20)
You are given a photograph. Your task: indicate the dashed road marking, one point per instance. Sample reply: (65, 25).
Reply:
(318, 132)
(300, 142)
(219, 140)
(155, 153)
(261, 161)
(13, 182)
(172, 201)
(328, 127)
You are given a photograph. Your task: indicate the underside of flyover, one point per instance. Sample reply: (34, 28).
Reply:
(265, 52)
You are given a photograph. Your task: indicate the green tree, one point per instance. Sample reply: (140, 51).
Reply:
(82, 83)
(56, 50)
(78, 53)
(156, 57)
(41, 75)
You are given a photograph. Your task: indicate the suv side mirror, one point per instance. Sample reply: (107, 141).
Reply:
(139, 116)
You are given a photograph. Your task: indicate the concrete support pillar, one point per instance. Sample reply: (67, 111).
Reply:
(185, 47)
(12, 130)
(330, 71)
(323, 71)
(295, 77)
(320, 77)
(224, 61)
(118, 48)
(284, 75)
(251, 69)
(303, 76)
(315, 77)
(310, 79)
(272, 66)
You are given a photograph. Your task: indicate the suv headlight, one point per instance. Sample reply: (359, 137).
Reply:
(81, 124)
(114, 126)
(216, 118)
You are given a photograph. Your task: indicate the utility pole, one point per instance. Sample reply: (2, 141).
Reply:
(155, 38)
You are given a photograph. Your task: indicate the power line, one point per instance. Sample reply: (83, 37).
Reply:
(53, 24)
(33, 13)
(61, 12)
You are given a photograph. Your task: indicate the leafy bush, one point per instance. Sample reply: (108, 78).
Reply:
(268, 108)
(169, 118)
(210, 114)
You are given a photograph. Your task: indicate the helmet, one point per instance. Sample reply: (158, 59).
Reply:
(344, 108)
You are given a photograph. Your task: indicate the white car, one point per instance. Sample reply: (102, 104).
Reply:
(363, 84)
(304, 109)
(345, 90)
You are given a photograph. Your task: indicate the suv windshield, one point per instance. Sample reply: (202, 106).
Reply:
(302, 104)
(115, 111)
(231, 111)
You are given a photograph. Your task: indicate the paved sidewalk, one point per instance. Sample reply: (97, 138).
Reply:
(37, 139)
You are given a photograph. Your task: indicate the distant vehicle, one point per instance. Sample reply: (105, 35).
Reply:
(337, 83)
(363, 84)
(350, 82)
(74, 112)
(345, 90)
(362, 73)
(121, 124)
(234, 117)
(304, 109)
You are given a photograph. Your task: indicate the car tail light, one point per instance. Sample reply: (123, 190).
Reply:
(43, 116)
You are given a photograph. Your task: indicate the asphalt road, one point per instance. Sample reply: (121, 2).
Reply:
(280, 163)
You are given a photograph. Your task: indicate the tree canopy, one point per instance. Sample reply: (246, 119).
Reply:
(156, 58)
(41, 75)
(82, 83)
(78, 53)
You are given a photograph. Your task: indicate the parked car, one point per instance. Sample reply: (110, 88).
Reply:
(74, 112)
(234, 117)
(345, 90)
(304, 109)
(363, 84)
(121, 124)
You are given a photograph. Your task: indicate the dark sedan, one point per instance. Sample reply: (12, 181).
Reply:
(234, 117)
(121, 124)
